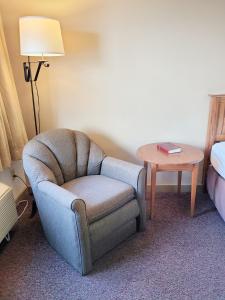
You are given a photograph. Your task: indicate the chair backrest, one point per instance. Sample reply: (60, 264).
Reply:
(61, 155)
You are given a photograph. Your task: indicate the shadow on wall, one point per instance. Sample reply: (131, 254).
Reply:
(82, 43)
(82, 53)
(110, 147)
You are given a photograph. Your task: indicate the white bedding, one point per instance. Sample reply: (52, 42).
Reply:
(218, 158)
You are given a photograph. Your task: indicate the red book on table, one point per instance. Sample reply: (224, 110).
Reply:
(169, 148)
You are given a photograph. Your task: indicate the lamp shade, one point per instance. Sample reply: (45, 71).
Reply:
(40, 36)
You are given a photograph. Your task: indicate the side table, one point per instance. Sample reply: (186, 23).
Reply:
(187, 160)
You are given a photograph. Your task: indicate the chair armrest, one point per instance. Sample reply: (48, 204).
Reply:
(129, 173)
(122, 170)
(59, 194)
(64, 220)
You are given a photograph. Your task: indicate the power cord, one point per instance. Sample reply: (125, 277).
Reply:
(25, 207)
(21, 179)
(22, 201)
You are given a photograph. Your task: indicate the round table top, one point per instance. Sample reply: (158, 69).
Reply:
(188, 155)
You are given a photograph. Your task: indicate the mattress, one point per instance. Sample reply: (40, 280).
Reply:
(218, 158)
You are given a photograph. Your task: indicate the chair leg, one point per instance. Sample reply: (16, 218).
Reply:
(34, 209)
(138, 221)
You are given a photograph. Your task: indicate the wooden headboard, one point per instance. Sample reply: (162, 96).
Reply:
(216, 127)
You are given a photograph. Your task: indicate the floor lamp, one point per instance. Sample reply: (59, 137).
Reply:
(39, 36)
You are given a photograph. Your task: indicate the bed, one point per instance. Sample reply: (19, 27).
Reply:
(214, 163)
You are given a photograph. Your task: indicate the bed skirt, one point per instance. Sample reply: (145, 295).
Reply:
(216, 190)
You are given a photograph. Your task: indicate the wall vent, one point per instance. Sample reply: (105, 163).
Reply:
(8, 212)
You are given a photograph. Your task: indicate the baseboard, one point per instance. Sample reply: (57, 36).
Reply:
(173, 188)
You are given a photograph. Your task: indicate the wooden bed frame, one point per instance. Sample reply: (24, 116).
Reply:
(216, 128)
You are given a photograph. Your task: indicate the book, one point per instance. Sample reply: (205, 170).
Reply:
(169, 148)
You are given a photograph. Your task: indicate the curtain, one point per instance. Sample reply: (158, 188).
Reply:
(12, 130)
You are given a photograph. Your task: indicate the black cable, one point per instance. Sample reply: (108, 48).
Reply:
(38, 108)
(21, 179)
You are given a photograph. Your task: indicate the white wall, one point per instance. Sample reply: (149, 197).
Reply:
(135, 71)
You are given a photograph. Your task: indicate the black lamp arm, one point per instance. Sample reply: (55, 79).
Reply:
(27, 69)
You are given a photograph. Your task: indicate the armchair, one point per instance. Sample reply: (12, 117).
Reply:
(87, 202)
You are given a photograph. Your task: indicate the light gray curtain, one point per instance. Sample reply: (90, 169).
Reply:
(12, 130)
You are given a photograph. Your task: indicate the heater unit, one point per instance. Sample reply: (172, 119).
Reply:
(8, 212)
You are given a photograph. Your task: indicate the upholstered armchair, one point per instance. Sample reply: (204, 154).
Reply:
(87, 202)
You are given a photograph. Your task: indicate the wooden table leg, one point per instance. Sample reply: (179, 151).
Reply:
(194, 179)
(146, 183)
(153, 189)
(179, 182)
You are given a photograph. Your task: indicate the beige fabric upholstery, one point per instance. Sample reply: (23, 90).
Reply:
(102, 195)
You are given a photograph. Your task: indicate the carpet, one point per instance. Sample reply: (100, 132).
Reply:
(177, 257)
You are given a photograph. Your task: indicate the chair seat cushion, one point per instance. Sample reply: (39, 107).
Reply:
(101, 194)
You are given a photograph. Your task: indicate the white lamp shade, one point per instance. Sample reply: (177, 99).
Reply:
(40, 36)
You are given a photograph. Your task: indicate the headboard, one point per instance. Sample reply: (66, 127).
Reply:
(216, 127)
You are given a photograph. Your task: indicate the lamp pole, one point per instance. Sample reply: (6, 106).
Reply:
(28, 78)
(33, 100)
